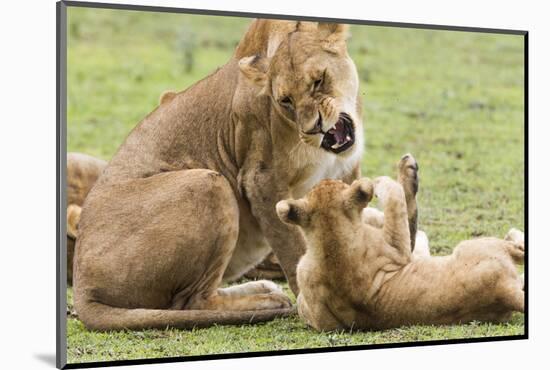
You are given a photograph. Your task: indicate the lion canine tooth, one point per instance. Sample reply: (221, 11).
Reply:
(348, 138)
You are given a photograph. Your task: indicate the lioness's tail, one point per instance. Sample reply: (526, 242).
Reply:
(101, 317)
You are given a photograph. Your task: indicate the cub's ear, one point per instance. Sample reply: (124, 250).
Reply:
(333, 36)
(255, 69)
(360, 193)
(293, 211)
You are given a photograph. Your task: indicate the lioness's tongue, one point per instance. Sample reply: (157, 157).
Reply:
(339, 132)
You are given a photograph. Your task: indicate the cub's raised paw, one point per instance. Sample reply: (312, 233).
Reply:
(407, 174)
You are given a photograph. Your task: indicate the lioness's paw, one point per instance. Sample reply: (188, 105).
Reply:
(271, 301)
(282, 300)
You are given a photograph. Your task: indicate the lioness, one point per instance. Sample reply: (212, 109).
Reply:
(189, 198)
(82, 172)
(354, 275)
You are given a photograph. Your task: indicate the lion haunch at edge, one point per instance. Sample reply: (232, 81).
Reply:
(189, 198)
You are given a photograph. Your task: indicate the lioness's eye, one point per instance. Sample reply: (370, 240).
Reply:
(286, 101)
(318, 82)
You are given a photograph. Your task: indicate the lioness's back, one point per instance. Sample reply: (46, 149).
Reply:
(185, 127)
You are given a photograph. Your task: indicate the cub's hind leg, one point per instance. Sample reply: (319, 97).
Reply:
(513, 296)
(385, 189)
(407, 176)
(391, 196)
(518, 239)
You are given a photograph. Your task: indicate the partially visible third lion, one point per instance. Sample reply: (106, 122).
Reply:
(82, 172)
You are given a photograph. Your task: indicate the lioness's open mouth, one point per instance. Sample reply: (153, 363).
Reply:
(341, 136)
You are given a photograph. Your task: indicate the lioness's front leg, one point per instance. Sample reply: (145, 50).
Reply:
(286, 241)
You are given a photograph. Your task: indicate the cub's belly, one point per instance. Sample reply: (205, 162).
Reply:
(250, 250)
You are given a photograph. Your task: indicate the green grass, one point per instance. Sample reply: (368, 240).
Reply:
(453, 99)
(280, 334)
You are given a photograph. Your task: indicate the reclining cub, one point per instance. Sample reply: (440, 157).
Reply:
(355, 275)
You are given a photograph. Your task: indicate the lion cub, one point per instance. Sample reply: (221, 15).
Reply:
(355, 275)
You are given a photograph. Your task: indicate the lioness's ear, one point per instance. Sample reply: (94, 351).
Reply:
(293, 211)
(167, 97)
(359, 194)
(333, 36)
(305, 26)
(255, 69)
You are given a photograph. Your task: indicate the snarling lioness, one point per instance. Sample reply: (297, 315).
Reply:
(355, 275)
(188, 201)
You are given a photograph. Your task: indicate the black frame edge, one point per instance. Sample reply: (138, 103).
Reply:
(163, 9)
(526, 180)
(61, 209)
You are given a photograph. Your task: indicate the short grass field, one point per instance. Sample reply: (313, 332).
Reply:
(453, 99)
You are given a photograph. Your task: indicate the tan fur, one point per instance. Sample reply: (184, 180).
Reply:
(73, 216)
(269, 268)
(189, 198)
(82, 173)
(354, 275)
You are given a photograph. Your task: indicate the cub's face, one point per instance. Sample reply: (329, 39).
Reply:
(330, 208)
(313, 85)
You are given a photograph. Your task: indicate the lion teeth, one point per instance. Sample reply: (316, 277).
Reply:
(348, 138)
